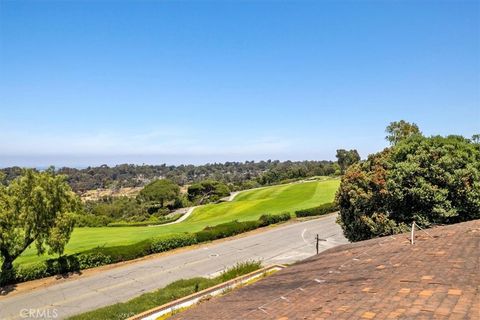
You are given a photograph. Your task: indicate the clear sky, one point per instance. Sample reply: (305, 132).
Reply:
(90, 82)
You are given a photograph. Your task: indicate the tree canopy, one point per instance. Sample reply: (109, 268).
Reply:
(399, 130)
(207, 191)
(239, 174)
(160, 191)
(346, 158)
(433, 180)
(35, 208)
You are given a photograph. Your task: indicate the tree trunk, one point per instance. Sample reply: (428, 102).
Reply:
(6, 274)
(8, 258)
(7, 265)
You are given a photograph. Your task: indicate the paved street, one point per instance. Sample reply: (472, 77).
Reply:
(284, 244)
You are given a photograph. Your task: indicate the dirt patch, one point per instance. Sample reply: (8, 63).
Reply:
(97, 194)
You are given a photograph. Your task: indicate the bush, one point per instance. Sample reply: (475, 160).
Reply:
(317, 211)
(427, 180)
(121, 253)
(27, 273)
(235, 227)
(92, 259)
(50, 267)
(115, 208)
(172, 242)
(226, 230)
(90, 220)
(62, 265)
(268, 219)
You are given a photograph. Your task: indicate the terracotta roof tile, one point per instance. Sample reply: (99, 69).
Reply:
(384, 278)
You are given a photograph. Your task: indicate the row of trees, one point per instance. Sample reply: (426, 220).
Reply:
(238, 175)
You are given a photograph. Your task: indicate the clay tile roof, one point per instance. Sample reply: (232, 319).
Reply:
(385, 278)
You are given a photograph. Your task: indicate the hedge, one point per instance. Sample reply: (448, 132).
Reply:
(235, 227)
(106, 255)
(145, 223)
(226, 230)
(317, 211)
(268, 219)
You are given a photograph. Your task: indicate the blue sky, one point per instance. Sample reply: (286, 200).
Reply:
(87, 82)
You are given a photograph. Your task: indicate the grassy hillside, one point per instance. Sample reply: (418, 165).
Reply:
(248, 205)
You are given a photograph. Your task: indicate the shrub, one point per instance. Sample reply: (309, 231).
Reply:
(27, 273)
(123, 253)
(90, 220)
(92, 259)
(62, 265)
(427, 180)
(268, 219)
(172, 242)
(236, 227)
(317, 211)
(114, 208)
(226, 230)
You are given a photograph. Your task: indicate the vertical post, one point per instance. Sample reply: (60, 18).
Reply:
(318, 239)
(412, 233)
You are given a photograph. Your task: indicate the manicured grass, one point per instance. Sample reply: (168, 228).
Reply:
(173, 291)
(248, 205)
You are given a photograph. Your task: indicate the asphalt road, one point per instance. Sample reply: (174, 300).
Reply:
(283, 244)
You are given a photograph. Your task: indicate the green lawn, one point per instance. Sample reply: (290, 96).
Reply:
(248, 205)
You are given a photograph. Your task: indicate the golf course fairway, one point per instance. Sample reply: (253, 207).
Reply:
(247, 205)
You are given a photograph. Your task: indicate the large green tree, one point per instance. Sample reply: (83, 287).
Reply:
(433, 180)
(207, 191)
(35, 208)
(346, 158)
(160, 191)
(399, 130)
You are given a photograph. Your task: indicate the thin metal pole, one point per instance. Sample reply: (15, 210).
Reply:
(318, 239)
